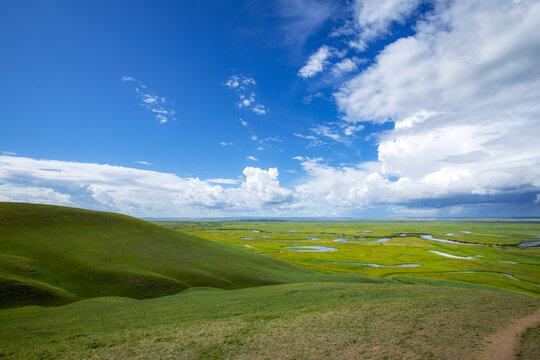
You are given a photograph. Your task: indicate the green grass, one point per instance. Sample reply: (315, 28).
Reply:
(529, 344)
(489, 263)
(133, 289)
(293, 321)
(52, 255)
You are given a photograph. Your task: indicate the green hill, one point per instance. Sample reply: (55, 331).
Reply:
(51, 255)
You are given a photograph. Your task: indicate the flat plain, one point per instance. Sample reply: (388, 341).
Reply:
(489, 253)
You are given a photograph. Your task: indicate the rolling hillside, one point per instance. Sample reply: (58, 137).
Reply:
(51, 255)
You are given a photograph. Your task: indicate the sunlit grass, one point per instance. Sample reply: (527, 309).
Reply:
(273, 238)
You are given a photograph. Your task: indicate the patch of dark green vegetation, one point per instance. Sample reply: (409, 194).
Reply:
(529, 347)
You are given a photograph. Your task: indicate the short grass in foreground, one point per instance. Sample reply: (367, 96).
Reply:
(485, 265)
(293, 321)
(529, 344)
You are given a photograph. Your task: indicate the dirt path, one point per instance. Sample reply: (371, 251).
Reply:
(504, 344)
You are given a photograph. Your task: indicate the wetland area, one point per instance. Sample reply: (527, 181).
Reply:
(503, 255)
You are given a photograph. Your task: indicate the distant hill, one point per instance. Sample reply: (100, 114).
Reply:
(51, 255)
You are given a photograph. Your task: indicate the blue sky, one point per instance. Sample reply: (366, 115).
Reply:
(275, 108)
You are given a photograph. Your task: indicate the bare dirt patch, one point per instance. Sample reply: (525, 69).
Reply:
(504, 344)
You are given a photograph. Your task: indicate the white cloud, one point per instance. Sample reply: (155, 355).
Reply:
(7, 153)
(316, 62)
(307, 137)
(137, 192)
(313, 140)
(260, 148)
(252, 158)
(416, 118)
(151, 102)
(244, 123)
(323, 130)
(373, 19)
(346, 66)
(327, 190)
(223, 181)
(349, 130)
(309, 98)
(244, 88)
(225, 143)
(143, 163)
(259, 109)
(264, 185)
(463, 94)
(302, 18)
(232, 82)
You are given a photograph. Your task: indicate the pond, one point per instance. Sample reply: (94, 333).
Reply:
(453, 256)
(366, 264)
(311, 248)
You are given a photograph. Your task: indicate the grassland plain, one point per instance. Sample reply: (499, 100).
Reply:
(506, 266)
(292, 321)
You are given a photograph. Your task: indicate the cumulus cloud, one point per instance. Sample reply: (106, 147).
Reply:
(316, 62)
(264, 185)
(252, 158)
(157, 105)
(244, 88)
(134, 191)
(326, 189)
(463, 95)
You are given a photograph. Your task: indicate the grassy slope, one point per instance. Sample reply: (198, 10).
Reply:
(51, 255)
(292, 321)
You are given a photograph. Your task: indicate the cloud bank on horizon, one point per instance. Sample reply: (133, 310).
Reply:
(457, 95)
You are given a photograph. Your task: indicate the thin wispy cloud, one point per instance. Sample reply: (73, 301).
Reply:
(157, 105)
(323, 130)
(244, 87)
(316, 62)
(226, 143)
(252, 158)
(143, 163)
(303, 18)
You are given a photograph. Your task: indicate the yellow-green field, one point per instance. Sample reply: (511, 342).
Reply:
(505, 266)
